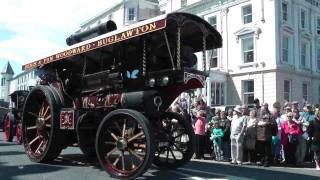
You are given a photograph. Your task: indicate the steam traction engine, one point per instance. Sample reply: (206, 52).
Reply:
(12, 120)
(110, 94)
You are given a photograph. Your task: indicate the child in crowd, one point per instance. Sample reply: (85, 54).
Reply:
(216, 137)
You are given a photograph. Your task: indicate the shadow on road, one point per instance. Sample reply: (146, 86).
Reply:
(76, 160)
(10, 153)
(8, 172)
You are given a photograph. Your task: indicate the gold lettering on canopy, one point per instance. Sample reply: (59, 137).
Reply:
(157, 25)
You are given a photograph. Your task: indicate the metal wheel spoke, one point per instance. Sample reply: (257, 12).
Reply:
(112, 151)
(109, 143)
(47, 118)
(34, 140)
(117, 126)
(41, 110)
(178, 148)
(113, 135)
(39, 146)
(178, 136)
(174, 157)
(122, 161)
(136, 155)
(45, 112)
(167, 154)
(116, 161)
(48, 125)
(124, 128)
(135, 136)
(132, 163)
(31, 127)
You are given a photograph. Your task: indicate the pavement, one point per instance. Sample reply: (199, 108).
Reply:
(73, 165)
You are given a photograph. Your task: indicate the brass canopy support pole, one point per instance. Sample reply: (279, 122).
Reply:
(144, 59)
(178, 49)
(204, 55)
(168, 46)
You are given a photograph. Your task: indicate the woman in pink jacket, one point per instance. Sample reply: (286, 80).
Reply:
(290, 131)
(199, 130)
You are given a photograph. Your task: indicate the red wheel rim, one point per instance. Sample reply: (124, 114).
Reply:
(37, 129)
(7, 129)
(122, 147)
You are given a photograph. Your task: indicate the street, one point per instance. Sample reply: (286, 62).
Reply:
(72, 164)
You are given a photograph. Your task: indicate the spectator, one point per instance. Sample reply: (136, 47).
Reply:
(295, 105)
(306, 118)
(238, 126)
(276, 143)
(257, 107)
(289, 132)
(230, 114)
(216, 137)
(200, 134)
(265, 129)
(250, 137)
(314, 134)
(225, 124)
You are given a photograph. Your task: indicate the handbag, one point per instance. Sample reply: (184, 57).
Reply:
(292, 139)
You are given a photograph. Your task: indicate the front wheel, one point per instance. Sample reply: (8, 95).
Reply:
(124, 144)
(175, 141)
(42, 138)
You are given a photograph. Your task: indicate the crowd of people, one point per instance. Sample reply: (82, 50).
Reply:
(257, 135)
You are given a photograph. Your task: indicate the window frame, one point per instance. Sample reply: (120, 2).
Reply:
(287, 49)
(305, 96)
(319, 93)
(211, 55)
(131, 14)
(217, 99)
(246, 93)
(285, 17)
(209, 21)
(303, 53)
(285, 93)
(245, 16)
(3, 81)
(243, 51)
(318, 25)
(303, 22)
(318, 56)
(184, 3)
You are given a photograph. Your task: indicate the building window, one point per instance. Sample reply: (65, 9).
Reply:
(285, 11)
(247, 14)
(305, 91)
(213, 57)
(287, 90)
(3, 81)
(318, 57)
(285, 49)
(217, 93)
(248, 92)
(318, 25)
(183, 3)
(303, 54)
(247, 50)
(131, 14)
(213, 21)
(303, 19)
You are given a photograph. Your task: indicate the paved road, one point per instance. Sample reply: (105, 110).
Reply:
(71, 164)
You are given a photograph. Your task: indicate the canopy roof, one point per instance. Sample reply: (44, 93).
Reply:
(192, 30)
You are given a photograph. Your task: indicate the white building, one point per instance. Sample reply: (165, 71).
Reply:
(5, 76)
(23, 81)
(271, 49)
(124, 13)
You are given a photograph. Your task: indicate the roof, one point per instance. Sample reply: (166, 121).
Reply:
(7, 69)
(192, 24)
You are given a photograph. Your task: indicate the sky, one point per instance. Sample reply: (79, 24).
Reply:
(32, 29)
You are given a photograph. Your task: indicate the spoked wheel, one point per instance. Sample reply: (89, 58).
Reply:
(175, 141)
(40, 126)
(124, 144)
(86, 131)
(8, 129)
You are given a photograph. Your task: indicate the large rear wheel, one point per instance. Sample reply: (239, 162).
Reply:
(175, 141)
(124, 144)
(42, 138)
